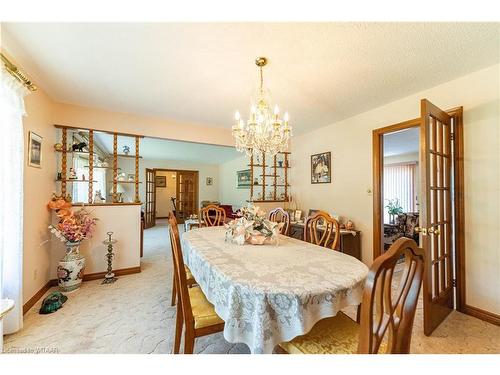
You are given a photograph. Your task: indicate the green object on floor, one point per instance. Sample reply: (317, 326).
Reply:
(53, 302)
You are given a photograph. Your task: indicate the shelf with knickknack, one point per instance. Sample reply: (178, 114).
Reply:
(88, 160)
(269, 177)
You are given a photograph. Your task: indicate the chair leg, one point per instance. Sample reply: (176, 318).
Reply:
(174, 291)
(358, 314)
(178, 328)
(188, 341)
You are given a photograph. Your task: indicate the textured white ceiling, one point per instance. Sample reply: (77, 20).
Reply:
(402, 142)
(162, 149)
(319, 72)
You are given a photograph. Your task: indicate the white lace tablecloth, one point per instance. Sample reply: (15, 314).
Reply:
(270, 294)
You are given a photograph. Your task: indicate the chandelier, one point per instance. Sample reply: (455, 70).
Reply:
(264, 131)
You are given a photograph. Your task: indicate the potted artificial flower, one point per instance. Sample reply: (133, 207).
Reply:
(393, 209)
(72, 228)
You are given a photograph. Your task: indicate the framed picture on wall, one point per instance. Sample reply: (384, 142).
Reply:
(161, 181)
(244, 179)
(34, 150)
(321, 168)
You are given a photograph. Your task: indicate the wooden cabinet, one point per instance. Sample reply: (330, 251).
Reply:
(349, 243)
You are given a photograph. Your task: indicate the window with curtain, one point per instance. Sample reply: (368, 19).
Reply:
(400, 184)
(80, 191)
(12, 94)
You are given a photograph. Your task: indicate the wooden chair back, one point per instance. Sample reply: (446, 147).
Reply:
(279, 215)
(212, 216)
(180, 270)
(322, 229)
(388, 311)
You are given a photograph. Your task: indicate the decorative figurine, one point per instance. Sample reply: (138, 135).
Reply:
(104, 164)
(280, 163)
(126, 150)
(72, 174)
(109, 278)
(78, 146)
(58, 147)
(53, 302)
(98, 197)
(256, 181)
(59, 175)
(83, 177)
(349, 225)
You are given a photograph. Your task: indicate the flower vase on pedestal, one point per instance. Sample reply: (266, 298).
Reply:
(71, 268)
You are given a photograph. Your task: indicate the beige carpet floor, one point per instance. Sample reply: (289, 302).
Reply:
(133, 315)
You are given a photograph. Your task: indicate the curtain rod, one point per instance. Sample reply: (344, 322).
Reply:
(17, 73)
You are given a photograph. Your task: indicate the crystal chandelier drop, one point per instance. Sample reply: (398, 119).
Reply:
(264, 131)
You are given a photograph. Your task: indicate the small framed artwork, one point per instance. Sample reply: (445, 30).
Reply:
(244, 180)
(34, 150)
(321, 168)
(210, 181)
(161, 181)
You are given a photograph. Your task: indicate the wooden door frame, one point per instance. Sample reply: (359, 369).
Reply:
(458, 198)
(197, 173)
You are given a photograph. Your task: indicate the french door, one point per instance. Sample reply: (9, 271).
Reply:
(436, 216)
(150, 203)
(187, 194)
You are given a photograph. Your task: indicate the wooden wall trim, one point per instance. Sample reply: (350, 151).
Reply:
(481, 314)
(31, 302)
(120, 272)
(378, 170)
(91, 276)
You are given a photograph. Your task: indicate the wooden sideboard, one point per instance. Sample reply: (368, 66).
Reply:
(349, 241)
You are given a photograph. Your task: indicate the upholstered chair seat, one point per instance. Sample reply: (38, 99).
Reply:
(386, 314)
(335, 335)
(203, 311)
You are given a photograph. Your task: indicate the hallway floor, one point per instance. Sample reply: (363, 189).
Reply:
(134, 315)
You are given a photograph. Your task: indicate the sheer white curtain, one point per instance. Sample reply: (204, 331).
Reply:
(11, 197)
(400, 183)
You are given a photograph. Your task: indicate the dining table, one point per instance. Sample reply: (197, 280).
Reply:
(271, 293)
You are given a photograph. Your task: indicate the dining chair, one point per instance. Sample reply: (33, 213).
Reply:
(212, 216)
(279, 215)
(320, 228)
(190, 279)
(385, 311)
(194, 312)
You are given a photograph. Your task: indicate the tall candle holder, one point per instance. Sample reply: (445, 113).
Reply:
(109, 278)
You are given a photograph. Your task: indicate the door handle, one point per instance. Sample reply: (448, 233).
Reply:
(434, 231)
(421, 230)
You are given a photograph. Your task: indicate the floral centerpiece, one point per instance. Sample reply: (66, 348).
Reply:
(252, 226)
(72, 228)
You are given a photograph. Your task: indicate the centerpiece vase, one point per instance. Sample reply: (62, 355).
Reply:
(71, 268)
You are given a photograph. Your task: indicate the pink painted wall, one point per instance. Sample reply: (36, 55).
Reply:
(74, 115)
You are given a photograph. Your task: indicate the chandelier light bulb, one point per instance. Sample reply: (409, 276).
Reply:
(286, 117)
(276, 110)
(237, 116)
